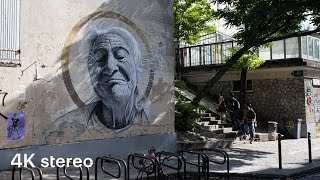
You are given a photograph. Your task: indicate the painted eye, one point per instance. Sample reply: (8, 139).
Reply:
(100, 55)
(120, 53)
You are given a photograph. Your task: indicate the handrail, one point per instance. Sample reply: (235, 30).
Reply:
(203, 166)
(110, 159)
(225, 159)
(180, 159)
(147, 164)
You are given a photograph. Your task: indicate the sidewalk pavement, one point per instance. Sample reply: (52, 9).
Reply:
(259, 159)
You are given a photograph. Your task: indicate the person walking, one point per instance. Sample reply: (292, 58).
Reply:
(222, 108)
(234, 107)
(251, 120)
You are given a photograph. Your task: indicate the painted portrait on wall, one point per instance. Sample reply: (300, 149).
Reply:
(108, 73)
(16, 126)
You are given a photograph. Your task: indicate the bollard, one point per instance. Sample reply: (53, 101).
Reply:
(279, 150)
(309, 147)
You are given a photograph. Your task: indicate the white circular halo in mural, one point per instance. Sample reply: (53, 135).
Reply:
(76, 51)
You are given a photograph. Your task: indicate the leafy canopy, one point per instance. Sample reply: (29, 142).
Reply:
(259, 20)
(191, 19)
(248, 61)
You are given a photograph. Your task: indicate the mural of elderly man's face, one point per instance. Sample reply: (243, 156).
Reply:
(112, 67)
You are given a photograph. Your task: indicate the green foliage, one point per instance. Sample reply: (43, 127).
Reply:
(191, 19)
(263, 21)
(248, 61)
(185, 114)
(258, 20)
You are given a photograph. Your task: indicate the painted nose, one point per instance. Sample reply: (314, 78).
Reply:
(111, 65)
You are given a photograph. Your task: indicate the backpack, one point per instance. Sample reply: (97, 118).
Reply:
(251, 114)
(236, 104)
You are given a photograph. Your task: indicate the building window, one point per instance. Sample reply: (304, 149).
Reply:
(9, 29)
(236, 86)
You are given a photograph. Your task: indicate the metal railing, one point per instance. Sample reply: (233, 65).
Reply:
(305, 47)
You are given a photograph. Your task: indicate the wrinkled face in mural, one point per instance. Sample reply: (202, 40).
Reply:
(112, 65)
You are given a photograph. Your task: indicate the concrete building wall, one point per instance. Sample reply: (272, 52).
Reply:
(63, 88)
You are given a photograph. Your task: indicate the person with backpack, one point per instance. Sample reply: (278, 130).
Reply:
(250, 118)
(222, 108)
(234, 107)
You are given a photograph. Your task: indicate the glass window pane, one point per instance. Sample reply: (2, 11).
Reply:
(316, 48)
(304, 46)
(310, 47)
(278, 50)
(186, 61)
(206, 55)
(264, 53)
(195, 56)
(292, 47)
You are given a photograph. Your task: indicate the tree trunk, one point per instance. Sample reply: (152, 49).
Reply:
(220, 73)
(243, 90)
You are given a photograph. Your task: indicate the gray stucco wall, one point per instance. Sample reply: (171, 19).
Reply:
(57, 92)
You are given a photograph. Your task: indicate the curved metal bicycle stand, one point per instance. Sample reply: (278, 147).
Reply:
(117, 162)
(225, 159)
(30, 170)
(148, 165)
(70, 177)
(201, 164)
(165, 157)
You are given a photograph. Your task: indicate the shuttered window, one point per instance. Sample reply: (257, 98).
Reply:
(9, 29)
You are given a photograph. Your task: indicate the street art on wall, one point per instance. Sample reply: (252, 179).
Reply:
(15, 126)
(108, 73)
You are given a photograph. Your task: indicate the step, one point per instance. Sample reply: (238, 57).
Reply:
(227, 129)
(203, 123)
(205, 115)
(215, 122)
(231, 134)
(212, 127)
(207, 119)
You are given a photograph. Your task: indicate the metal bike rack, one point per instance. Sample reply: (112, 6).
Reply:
(164, 157)
(30, 170)
(71, 178)
(225, 159)
(203, 162)
(108, 159)
(148, 165)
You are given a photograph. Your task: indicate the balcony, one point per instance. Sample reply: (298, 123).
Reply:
(305, 47)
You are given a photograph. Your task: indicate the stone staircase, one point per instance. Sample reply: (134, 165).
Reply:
(212, 122)
(224, 134)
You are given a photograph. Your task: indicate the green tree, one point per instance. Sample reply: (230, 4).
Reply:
(261, 22)
(191, 20)
(248, 61)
